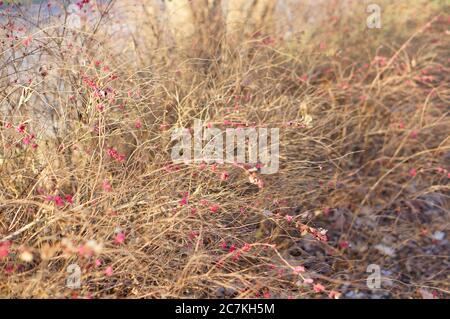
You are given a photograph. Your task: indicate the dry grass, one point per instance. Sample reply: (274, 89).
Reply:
(371, 169)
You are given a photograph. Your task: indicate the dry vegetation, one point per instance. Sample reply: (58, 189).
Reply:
(86, 175)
